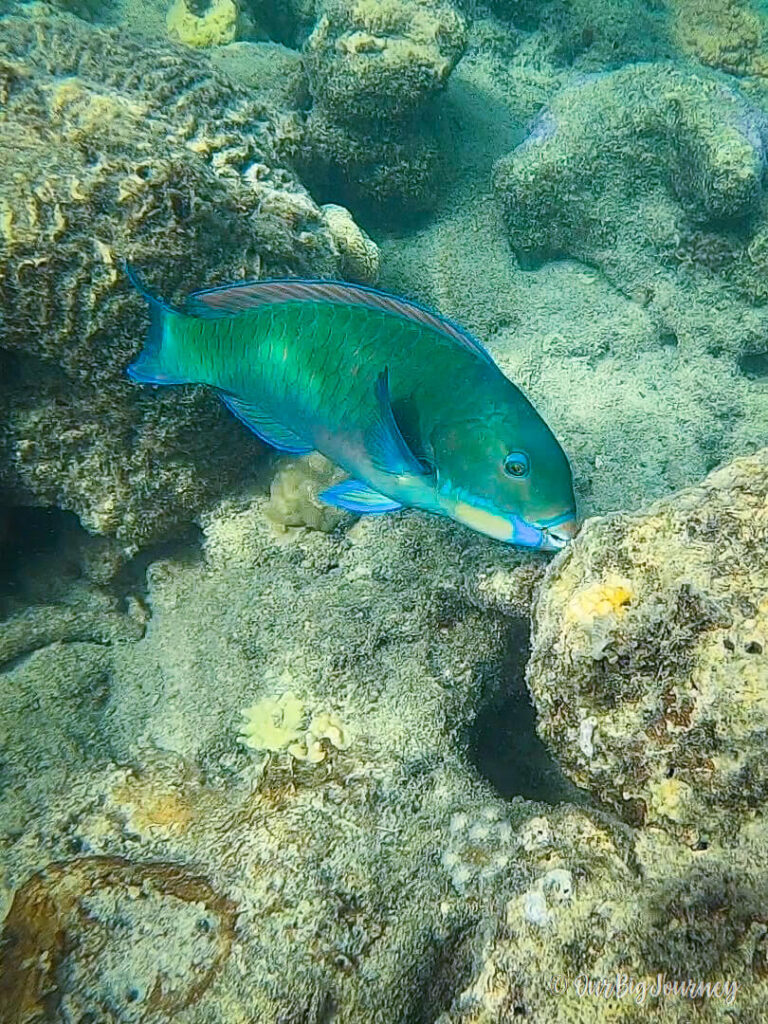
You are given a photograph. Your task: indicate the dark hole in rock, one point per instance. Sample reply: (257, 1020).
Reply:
(44, 550)
(28, 534)
(504, 745)
(754, 365)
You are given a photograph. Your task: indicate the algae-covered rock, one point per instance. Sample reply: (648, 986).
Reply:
(366, 865)
(612, 928)
(394, 168)
(215, 25)
(373, 69)
(274, 72)
(726, 34)
(654, 174)
(649, 667)
(116, 151)
(592, 34)
(381, 59)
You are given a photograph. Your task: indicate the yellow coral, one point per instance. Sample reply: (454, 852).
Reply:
(273, 723)
(293, 500)
(277, 724)
(670, 798)
(217, 26)
(359, 254)
(598, 600)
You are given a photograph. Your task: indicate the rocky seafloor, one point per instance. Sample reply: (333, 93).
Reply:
(262, 762)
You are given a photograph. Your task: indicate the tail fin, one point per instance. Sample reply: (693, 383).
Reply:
(149, 367)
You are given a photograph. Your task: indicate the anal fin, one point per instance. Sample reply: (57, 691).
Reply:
(264, 426)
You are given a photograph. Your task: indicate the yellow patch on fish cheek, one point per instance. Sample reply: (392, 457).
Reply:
(482, 521)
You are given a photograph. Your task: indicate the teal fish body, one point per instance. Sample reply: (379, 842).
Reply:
(407, 402)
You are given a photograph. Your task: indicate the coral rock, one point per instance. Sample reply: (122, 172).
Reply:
(373, 59)
(655, 175)
(92, 124)
(216, 26)
(649, 667)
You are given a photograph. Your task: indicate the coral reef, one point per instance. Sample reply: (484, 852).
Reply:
(393, 169)
(381, 61)
(590, 34)
(332, 863)
(367, 866)
(215, 25)
(606, 923)
(93, 125)
(726, 34)
(269, 70)
(373, 68)
(284, 767)
(480, 849)
(654, 174)
(649, 664)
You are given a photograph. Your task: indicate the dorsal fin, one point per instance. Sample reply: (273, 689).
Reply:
(231, 299)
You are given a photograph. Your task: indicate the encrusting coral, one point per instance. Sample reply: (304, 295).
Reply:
(216, 25)
(280, 724)
(195, 167)
(373, 67)
(655, 174)
(649, 667)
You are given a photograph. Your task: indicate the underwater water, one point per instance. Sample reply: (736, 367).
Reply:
(383, 511)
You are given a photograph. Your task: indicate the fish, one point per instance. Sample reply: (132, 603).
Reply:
(407, 402)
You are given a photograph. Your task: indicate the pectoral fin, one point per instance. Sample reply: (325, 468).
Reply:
(355, 496)
(389, 451)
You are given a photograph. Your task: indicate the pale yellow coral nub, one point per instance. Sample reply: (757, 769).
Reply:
(609, 597)
(273, 723)
(277, 724)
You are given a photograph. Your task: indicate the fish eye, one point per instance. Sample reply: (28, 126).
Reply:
(517, 464)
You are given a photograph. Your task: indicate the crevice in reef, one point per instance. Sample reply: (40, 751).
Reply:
(32, 535)
(47, 558)
(754, 365)
(504, 746)
(132, 577)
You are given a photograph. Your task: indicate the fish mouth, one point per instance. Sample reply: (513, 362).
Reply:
(555, 538)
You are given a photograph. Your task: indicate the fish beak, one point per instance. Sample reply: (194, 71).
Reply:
(556, 537)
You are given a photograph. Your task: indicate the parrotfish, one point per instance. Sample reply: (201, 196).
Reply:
(407, 402)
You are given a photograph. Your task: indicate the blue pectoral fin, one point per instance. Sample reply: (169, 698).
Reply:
(387, 447)
(264, 426)
(355, 496)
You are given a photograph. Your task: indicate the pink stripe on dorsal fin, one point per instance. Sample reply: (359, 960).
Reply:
(228, 300)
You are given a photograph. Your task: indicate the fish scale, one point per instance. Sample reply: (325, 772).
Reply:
(408, 402)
